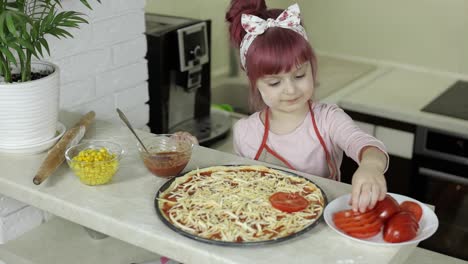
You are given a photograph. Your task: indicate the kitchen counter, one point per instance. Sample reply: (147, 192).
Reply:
(68, 241)
(124, 209)
(334, 74)
(400, 94)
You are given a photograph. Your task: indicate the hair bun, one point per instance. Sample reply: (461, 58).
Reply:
(234, 15)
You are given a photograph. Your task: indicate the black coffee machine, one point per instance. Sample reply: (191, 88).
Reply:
(179, 78)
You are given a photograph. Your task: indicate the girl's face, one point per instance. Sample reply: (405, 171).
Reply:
(288, 91)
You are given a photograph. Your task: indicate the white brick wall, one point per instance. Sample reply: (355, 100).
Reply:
(19, 222)
(101, 68)
(105, 58)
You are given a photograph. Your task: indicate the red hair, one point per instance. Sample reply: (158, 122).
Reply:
(275, 51)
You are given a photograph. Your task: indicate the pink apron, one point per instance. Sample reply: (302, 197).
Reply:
(268, 155)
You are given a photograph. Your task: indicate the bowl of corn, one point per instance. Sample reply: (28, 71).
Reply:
(94, 162)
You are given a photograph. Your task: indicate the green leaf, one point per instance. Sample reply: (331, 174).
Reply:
(60, 32)
(2, 24)
(45, 44)
(85, 2)
(11, 24)
(25, 44)
(35, 30)
(47, 21)
(78, 19)
(20, 52)
(39, 48)
(25, 23)
(9, 55)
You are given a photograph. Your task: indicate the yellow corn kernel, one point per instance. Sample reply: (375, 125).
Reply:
(95, 166)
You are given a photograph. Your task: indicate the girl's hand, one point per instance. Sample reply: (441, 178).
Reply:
(186, 136)
(369, 186)
(368, 182)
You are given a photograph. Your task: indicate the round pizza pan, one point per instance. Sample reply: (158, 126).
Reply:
(231, 243)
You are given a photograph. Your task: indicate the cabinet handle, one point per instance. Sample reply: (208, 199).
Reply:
(443, 175)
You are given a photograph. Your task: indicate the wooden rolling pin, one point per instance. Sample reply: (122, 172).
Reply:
(56, 155)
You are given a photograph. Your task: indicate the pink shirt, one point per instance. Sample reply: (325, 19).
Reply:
(301, 148)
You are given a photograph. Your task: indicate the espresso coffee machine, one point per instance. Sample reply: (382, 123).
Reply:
(179, 78)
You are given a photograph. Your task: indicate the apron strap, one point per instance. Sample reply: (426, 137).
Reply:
(272, 152)
(265, 146)
(265, 135)
(330, 162)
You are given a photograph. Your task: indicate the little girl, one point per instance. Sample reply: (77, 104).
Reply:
(289, 129)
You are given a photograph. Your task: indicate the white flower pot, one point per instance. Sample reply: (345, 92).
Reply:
(29, 110)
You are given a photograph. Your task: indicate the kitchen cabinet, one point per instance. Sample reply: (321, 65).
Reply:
(366, 127)
(398, 137)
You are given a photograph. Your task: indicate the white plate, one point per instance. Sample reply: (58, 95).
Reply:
(427, 225)
(38, 147)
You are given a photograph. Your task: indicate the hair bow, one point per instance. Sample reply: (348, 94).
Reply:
(254, 26)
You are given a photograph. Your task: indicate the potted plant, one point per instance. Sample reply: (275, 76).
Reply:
(29, 88)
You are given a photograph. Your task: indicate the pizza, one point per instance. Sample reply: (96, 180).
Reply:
(240, 203)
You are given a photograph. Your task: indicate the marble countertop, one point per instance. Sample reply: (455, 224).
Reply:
(333, 74)
(124, 210)
(400, 94)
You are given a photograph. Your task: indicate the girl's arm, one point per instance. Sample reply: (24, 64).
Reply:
(368, 181)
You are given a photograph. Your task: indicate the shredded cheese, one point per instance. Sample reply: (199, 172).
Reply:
(232, 203)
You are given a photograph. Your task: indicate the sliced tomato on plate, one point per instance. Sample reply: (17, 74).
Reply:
(364, 235)
(288, 202)
(345, 214)
(413, 208)
(343, 219)
(387, 207)
(370, 227)
(400, 227)
(356, 224)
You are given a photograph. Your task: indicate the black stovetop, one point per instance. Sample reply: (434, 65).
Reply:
(453, 102)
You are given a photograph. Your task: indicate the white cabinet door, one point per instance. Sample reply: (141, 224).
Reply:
(398, 143)
(366, 127)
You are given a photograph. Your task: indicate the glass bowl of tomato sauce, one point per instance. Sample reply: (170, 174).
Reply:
(167, 155)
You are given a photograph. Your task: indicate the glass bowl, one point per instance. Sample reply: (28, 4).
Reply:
(167, 156)
(94, 162)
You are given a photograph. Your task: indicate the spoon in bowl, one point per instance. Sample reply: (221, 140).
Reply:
(125, 120)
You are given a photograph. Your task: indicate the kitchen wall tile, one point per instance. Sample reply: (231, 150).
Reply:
(104, 108)
(78, 92)
(8, 205)
(117, 29)
(129, 52)
(121, 78)
(130, 98)
(105, 9)
(19, 222)
(71, 68)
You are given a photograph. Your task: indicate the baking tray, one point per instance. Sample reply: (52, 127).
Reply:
(229, 243)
